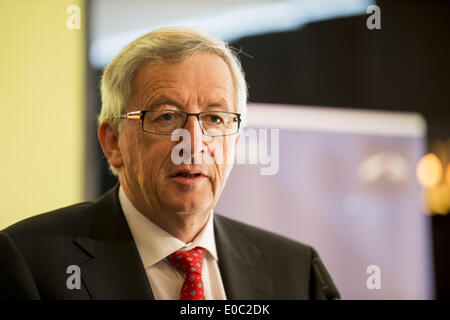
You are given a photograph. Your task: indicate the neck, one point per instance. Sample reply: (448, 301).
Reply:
(183, 226)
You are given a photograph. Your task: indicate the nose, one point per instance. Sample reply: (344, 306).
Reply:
(194, 129)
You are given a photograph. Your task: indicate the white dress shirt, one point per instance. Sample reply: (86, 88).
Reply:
(155, 244)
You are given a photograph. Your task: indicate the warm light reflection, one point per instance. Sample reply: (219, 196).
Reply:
(429, 170)
(439, 199)
(433, 173)
(447, 175)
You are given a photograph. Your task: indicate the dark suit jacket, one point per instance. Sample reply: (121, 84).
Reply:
(35, 254)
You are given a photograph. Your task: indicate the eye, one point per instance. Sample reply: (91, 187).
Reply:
(165, 116)
(214, 118)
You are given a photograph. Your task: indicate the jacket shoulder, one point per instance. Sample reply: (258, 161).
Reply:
(267, 240)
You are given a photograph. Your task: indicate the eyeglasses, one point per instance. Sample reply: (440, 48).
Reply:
(212, 123)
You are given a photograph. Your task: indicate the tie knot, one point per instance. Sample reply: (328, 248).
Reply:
(188, 261)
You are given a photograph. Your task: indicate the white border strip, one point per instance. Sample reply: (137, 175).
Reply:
(339, 120)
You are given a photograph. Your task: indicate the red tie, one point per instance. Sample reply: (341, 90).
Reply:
(190, 263)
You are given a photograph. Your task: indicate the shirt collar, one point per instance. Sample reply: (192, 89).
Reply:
(154, 243)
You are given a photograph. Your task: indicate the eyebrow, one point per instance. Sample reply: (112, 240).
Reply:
(217, 106)
(165, 100)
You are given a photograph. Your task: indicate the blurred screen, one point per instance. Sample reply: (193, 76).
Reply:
(353, 196)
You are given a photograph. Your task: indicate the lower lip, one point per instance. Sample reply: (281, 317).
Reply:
(188, 181)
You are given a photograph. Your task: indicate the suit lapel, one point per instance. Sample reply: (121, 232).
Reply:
(237, 260)
(115, 270)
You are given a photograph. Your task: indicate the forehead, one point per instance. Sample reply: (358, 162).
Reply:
(201, 77)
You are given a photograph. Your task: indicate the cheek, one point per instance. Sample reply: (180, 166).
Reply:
(223, 149)
(144, 155)
(129, 149)
(224, 152)
(155, 158)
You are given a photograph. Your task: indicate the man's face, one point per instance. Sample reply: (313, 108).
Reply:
(203, 82)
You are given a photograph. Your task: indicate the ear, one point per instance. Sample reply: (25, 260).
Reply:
(108, 136)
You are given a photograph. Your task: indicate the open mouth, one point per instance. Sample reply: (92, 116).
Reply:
(188, 175)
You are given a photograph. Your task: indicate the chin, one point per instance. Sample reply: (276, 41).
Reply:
(191, 206)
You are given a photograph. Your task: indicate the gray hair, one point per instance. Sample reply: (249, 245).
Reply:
(168, 45)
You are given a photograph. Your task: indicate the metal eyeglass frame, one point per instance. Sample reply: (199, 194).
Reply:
(140, 115)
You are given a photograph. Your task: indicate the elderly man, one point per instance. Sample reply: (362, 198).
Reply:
(155, 235)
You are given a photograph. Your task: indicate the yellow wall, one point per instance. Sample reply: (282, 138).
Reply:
(42, 66)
